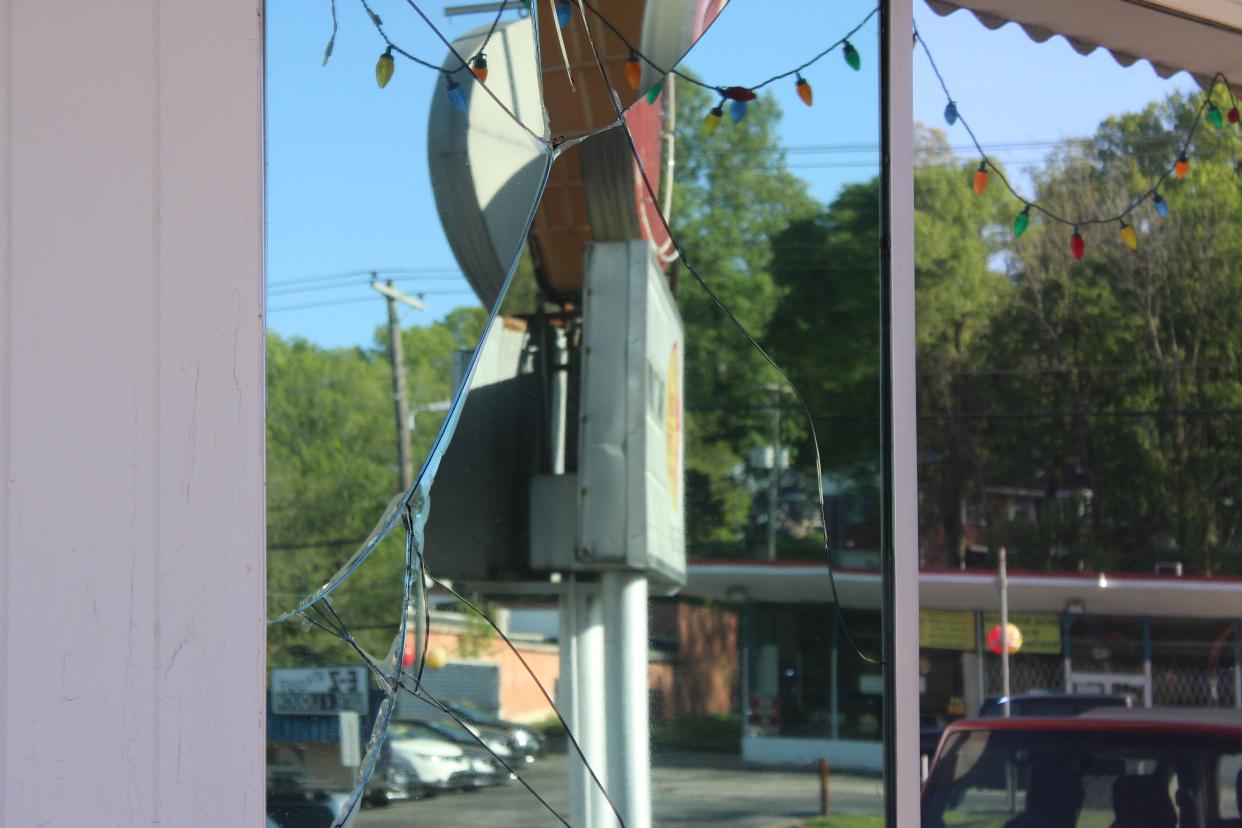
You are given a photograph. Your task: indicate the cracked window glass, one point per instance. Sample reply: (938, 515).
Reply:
(574, 390)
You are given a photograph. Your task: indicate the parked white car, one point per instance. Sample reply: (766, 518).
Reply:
(439, 763)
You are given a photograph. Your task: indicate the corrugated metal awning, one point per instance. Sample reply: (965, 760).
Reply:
(1202, 37)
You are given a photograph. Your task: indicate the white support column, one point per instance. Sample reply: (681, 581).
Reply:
(897, 76)
(626, 653)
(131, 413)
(582, 702)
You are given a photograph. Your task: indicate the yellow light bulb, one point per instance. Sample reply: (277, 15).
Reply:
(384, 68)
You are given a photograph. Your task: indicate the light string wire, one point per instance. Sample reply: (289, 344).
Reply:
(465, 64)
(741, 328)
(378, 23)
(1217, 79)
(495, 22)
(712, 87)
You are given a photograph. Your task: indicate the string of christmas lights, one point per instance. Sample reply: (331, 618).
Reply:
(738, 96)
(1129, 236)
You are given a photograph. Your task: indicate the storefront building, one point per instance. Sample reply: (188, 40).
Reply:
(1159, 641)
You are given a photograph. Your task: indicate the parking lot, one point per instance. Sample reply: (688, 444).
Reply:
(688, 790)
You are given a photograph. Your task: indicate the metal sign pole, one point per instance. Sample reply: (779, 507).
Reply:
(581, 699)
(624, 597)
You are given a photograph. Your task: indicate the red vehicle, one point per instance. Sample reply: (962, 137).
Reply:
(1107, 768)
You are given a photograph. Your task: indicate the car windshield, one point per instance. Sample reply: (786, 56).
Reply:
(1061, 779)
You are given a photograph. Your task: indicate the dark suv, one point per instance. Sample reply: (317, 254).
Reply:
(1118, 767)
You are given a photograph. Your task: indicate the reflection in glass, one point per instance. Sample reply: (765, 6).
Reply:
(1078, 463)
(594, 421)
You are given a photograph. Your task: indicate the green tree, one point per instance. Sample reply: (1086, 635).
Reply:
(331, 463)
(1133, 355)
(332, 470)
(734, 196)
(827, 269)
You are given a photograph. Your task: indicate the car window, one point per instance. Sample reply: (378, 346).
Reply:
(1229, 776)
(1022, 779)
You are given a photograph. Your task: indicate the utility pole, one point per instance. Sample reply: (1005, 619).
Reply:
(393, 296)
(1002, 582)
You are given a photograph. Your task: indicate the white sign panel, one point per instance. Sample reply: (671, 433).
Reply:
(630, 445)
(319, 691)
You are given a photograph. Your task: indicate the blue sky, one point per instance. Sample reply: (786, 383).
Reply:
(348, 187)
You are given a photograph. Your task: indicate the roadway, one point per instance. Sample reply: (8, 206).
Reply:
(689, 790)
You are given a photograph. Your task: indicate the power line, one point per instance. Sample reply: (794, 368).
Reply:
(365, 272)
(358, 282)
(360, 299)
(307, 305)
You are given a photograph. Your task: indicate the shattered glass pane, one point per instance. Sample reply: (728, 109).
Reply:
(588, 268)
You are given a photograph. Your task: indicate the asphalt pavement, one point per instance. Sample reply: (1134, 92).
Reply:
(688, 790)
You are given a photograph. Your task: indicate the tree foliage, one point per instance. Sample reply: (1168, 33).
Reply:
(1109, 387)
(1127, 363)
(734, 195)
(332, 469)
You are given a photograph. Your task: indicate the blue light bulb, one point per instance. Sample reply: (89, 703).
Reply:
(950, 113)
(1162, 206)
(455, 96)
(737, 110)
(564, 13)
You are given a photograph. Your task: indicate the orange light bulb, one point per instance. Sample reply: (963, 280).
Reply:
(981, 178)
(804, 90)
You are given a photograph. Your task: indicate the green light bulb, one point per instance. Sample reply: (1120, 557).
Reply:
(1022, 221)
(851, 56)
(1215, 117)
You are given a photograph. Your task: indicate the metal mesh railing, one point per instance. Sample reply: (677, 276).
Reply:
(1026, 674)
(1194, 688)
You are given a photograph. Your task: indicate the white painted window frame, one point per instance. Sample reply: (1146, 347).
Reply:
(132, 581)
(903, 772)
(132, 574)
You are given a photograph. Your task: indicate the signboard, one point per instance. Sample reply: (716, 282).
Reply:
(319, 691)
(631, 444)
(1041, 632)
(947, 629)
(955, 630)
